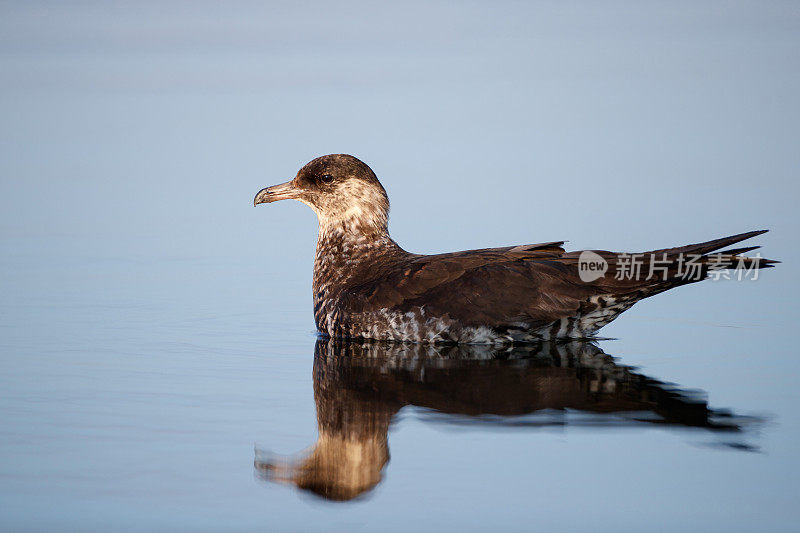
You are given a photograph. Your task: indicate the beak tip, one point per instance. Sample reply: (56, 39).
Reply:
(275, 193)
(261, 197)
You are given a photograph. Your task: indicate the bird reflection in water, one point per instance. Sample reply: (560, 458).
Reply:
(360, 387)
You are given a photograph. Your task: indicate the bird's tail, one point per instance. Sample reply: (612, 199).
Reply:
(671, 267)
(705, 248)
(639, 275)
(729, 259)
(622, 279)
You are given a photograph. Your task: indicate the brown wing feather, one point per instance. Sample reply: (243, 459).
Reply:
(488, 287)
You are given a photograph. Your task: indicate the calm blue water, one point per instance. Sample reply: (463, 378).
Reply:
(156, 338)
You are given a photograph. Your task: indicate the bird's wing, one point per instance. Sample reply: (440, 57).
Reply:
(490, 287)
(535, 284)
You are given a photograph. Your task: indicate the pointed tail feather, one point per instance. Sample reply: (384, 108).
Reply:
(707, 260)
(704, 248)
(649, 273)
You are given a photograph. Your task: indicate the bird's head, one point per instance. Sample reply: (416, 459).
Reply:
(342, 190)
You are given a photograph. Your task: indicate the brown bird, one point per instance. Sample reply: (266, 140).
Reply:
(368, 287)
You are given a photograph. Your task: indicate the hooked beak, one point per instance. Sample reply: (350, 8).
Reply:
(284, 191)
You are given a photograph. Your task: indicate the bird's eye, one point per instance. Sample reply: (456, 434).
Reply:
(326, 178)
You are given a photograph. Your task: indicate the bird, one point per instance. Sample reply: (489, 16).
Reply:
(365, 286)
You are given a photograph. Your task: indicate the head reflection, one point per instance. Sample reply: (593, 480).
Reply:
(359, 387)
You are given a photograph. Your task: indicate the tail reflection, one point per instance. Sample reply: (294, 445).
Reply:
(359, 387)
